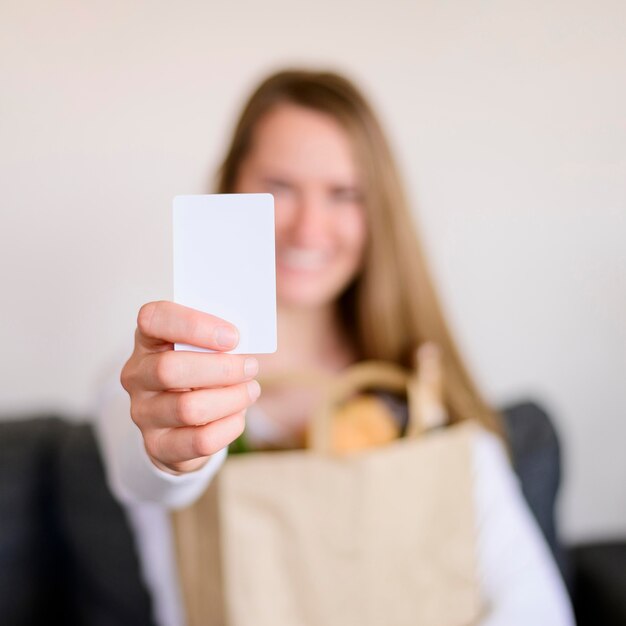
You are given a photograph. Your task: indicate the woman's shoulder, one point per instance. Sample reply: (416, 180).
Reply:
(495, 484)
(488, 446)
(488, 451)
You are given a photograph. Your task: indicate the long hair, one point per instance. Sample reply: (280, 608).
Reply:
(391, 306)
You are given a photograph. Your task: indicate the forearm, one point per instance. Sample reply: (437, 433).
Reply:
(131, 475)
(519, 578)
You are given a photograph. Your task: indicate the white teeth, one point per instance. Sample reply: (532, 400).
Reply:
(303, 259)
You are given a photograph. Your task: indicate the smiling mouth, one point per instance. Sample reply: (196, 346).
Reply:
(301, 259)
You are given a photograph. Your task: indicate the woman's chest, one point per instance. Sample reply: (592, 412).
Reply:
(286, 413)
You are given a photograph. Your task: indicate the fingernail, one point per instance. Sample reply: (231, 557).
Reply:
(250, 366)
(254, 390)
(226, 336)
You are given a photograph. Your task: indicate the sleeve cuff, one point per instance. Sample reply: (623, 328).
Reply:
(131, 474)
(179, 491)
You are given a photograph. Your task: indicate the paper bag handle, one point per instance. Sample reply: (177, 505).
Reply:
(424, 410)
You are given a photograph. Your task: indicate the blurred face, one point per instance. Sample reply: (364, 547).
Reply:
(304, 159)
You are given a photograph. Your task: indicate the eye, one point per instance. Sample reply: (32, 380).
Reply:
(345, 195)
(278, 187)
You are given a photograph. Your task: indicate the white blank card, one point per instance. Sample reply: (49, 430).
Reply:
(225, 263)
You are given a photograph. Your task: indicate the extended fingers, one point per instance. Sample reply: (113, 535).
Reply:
(171, 409)
(165, 322)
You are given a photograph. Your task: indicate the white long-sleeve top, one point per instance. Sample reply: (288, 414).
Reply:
(518, 576)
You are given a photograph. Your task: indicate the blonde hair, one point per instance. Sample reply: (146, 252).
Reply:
(391, 307)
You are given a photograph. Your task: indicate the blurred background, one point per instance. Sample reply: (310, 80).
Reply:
(508, 119)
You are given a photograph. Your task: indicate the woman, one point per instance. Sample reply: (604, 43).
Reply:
(352, 284)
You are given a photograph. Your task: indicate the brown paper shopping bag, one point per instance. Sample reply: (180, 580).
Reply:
(306, 537)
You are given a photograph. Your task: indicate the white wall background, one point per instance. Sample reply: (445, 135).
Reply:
(509, 119)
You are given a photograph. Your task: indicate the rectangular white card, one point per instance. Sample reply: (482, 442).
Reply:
(225, 263)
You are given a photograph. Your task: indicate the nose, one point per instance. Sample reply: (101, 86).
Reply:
(310, 222)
